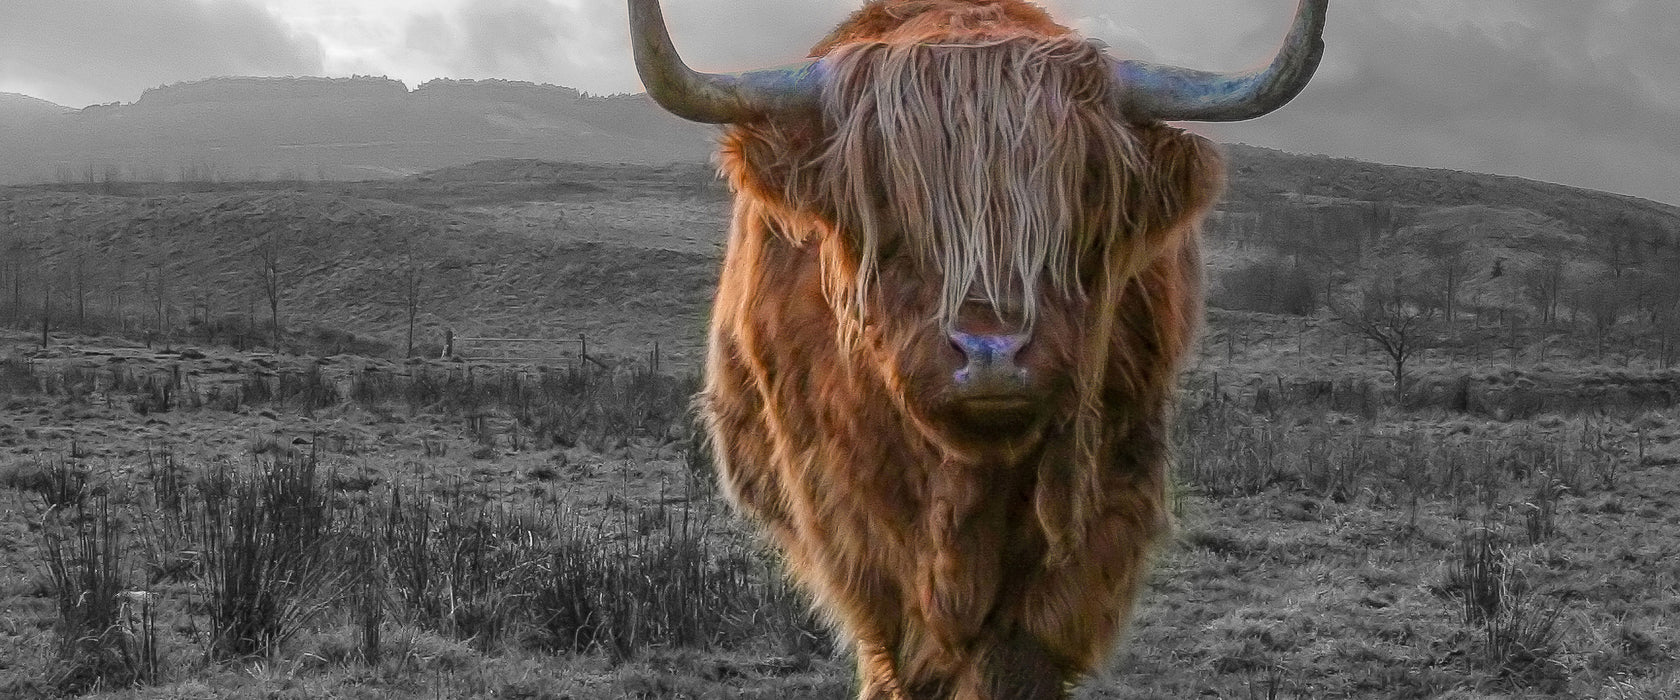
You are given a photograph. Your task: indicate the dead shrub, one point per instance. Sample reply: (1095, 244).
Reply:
(267, 564)
(103, 640)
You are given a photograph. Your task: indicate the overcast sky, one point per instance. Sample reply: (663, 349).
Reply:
(1574, 91)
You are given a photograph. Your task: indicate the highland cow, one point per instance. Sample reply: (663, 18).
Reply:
(961, 277)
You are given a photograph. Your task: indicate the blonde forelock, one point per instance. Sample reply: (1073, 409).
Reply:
(998, 165)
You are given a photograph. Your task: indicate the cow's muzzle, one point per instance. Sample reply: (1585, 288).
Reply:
(990, 369)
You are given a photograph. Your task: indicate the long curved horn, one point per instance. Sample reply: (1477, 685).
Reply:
(1170, 93)
(714, 98)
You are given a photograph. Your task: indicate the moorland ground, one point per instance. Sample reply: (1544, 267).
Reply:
(223, 476)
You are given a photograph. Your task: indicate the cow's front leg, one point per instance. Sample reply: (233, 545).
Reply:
(877, 674)
(1011, 667)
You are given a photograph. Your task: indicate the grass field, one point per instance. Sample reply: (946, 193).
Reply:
(243, 525)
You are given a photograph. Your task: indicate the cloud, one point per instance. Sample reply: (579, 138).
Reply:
(512, 38)
(536, 40)
(586, 44)
(89, 51)
(1577, 93)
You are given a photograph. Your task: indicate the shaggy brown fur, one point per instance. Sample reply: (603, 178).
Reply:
(969, 170)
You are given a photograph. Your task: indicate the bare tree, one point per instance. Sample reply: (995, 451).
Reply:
(1449, 264)
(17, 251)
(46, 312)
(1657, 303)
(119, 272)
(158, 272)
(81, 246)
(160, 298)
(412, 275)
(1394, 320)
(1544, 284)
(1665, 326)
(268, 259)
(1603, 301)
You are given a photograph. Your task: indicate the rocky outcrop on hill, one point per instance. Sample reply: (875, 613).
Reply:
(255, 90)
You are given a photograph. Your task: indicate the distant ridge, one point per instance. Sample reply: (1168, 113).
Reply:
(245, 128)
(252, 89)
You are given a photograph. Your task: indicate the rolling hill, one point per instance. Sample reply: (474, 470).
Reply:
(628, 253)
(538, 210)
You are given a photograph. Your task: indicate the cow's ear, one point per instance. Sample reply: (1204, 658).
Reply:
(772, 162)
(1187, 173)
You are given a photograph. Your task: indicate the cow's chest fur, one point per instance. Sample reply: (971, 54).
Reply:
(939, 546)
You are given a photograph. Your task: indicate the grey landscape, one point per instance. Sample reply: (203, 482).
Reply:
(332, 388)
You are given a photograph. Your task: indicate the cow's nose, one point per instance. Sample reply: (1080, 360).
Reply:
(990, 360)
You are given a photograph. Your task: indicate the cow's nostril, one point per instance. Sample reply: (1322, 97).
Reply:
(973, 347)
(957, 341)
